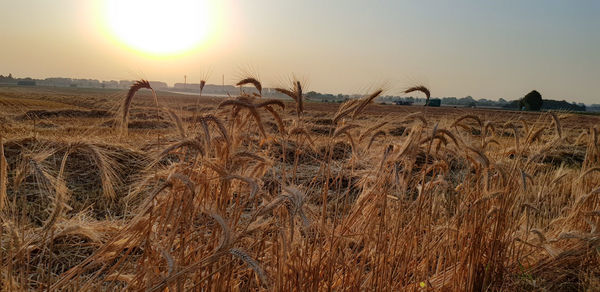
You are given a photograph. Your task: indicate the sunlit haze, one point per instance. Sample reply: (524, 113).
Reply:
(485, 49)
(159, 27)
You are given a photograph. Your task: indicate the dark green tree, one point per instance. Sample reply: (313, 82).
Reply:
(532, 101)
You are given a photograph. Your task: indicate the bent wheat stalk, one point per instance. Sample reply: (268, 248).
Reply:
(127, 102)
(420, 88)
(253, 81)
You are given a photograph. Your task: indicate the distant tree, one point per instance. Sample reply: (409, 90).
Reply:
(466, 100)
(562, 105)
(312, 94)
(532, 101)
(450, 100)
(10, 76)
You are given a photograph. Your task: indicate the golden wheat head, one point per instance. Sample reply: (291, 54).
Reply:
(127, 102)
(253, 81)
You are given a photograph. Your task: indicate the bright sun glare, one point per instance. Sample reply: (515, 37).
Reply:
(159, 27)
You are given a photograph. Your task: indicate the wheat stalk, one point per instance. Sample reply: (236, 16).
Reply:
(557, 125)
(296, 95)
(370, 130)
(3, 176)
(60, 195)
(364, 102)
(377, 134)
(253, 81)
(416, 115)
(177, 120)
(468, 116)
(420, 88)
(129, 98)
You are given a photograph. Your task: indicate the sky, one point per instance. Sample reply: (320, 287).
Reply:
(485, 49)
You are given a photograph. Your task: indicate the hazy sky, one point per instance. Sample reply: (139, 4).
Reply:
(486, 49)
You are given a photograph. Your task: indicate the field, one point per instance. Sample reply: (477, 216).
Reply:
(110, 189)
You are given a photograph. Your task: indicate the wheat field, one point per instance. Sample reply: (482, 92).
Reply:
(143, 190)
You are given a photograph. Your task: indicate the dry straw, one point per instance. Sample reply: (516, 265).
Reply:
(3, 176)
(228, 203)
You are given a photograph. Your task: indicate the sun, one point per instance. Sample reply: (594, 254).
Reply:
(159, 27)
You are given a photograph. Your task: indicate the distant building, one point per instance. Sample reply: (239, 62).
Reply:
(158, 85)
(210, 88)
(56, 81)
(87, 83)
(187, 86)
(110, 84)
(435, 102)
(125, 84)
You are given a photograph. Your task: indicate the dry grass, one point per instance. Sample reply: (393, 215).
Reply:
(453, 201)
